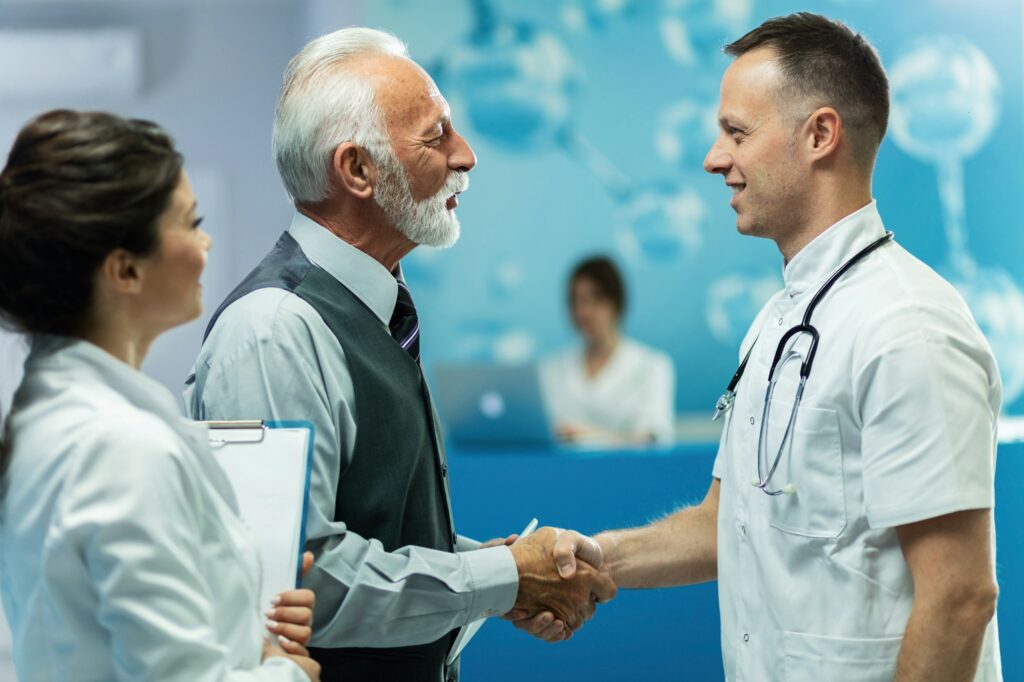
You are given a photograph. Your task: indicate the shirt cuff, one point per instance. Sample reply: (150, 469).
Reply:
(495, 581)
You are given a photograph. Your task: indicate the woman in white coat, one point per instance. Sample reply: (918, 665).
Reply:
(121, 552)
(610, 389)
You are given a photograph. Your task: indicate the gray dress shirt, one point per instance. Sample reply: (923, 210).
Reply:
(271, 356)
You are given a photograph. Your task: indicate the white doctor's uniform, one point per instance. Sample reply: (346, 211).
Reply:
(897, 425)
(634, 393)
(121, 553)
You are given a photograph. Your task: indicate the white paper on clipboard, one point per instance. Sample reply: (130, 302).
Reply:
(268, 465)
(469, 630)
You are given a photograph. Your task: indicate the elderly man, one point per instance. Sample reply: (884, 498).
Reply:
(849, 518)
(325, 329)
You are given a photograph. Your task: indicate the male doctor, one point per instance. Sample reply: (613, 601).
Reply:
(851, 534)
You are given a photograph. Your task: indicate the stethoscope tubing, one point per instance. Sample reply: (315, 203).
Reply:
(725, 402)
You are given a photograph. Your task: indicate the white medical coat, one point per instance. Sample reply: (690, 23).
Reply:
(633, 393)
(121, 553)
(897, 425)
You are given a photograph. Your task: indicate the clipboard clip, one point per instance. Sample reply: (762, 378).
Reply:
(255, 425)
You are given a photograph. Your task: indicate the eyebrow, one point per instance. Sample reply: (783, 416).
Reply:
(445, 117)
(726, 122)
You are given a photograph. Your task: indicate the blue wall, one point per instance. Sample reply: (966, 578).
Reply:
(590, 119)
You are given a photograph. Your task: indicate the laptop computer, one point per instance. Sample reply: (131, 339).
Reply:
(492, 405)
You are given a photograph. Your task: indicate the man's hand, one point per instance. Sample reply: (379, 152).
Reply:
(570, 600)
(498, 542)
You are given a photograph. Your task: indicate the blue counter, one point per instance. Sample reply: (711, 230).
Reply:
(650, 634)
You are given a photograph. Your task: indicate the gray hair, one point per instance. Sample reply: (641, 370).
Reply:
(323, 104)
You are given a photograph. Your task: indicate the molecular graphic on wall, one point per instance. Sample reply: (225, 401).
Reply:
(945, 105)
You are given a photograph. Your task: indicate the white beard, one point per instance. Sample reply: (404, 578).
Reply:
(427, 222)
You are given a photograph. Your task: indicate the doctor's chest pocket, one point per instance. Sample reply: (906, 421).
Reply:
(816, 658)
(812, 462)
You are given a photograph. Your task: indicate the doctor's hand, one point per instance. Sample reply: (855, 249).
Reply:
(570, 546)
(545, 596)
(307, 664)
(291, 615)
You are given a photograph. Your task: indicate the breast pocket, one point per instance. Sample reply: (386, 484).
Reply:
(813, 658)
(812, 462)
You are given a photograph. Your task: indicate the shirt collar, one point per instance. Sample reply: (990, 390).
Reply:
(361, 274)
(833, 247)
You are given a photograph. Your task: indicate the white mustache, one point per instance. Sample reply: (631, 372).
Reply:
(457, 182)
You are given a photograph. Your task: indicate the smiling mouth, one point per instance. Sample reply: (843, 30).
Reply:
(737, 189)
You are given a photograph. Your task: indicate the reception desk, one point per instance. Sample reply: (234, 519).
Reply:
(652, 635)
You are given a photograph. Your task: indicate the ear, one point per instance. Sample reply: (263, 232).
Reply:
(121, 273)
(823, 132)
(355, 173)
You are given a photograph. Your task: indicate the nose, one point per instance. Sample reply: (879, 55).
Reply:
(207, 240)
(717, 159)
(462, 158)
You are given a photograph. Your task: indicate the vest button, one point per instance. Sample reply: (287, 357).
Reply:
(444, 470)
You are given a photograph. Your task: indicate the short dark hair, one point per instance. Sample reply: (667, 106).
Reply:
(606, 276)
(825, 60)
(77, 186)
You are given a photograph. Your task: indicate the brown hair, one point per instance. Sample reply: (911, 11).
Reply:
(603, 272)
(76, 186)
(824, 60)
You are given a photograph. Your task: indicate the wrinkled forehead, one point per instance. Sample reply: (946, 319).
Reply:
(405, 93)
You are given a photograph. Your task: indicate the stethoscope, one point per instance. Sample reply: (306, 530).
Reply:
(782, 357)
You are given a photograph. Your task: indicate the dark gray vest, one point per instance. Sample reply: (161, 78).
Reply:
(395, 489)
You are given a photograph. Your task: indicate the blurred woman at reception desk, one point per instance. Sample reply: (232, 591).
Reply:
(609, 389)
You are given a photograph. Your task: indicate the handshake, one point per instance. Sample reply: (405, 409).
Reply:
(557, 593)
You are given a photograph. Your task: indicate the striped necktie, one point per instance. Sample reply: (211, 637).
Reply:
(404, 325)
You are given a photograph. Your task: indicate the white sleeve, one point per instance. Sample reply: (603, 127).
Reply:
(131, 518)
(924, 395)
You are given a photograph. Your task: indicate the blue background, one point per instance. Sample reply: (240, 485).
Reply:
(530, 81)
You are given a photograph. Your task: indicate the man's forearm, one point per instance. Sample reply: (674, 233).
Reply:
(943, 642)
(680, 549)
(367, 596)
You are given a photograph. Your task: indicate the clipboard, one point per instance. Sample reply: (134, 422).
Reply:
(268, 464)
